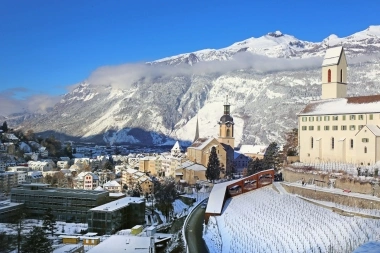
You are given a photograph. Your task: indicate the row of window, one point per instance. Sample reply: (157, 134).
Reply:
(334, 128)
(334, 118)
(333, 143)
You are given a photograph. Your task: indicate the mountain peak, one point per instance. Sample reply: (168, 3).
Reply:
(276, 34)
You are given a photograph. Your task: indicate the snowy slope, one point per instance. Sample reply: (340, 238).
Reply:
(268, 79)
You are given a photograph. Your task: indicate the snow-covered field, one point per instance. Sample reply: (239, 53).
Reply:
(266, 221)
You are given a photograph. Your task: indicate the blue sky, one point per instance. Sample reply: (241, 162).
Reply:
(47, 45)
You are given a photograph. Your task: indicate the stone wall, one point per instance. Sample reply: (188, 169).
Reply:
(346, 200)
(344, 182)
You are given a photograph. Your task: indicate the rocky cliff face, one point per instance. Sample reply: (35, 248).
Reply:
(268, 81)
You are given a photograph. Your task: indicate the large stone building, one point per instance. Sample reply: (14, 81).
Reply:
(338, 128)
(199, 151)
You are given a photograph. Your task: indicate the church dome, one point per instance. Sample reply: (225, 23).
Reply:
(226, 118)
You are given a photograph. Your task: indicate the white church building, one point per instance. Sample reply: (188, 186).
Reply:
(338, 128)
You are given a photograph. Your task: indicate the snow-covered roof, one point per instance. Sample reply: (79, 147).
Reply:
(332, 56)
(111, 183)
(253, 149)
(176, 146)
(117, 204)
(200, 143)
(83, 174)
(373, 128)
(192, 166)
(123, 244)
(216, 198)
(99, 188)
(350, 105)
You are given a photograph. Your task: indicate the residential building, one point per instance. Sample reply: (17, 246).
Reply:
(40, 166)
(86, 181)
(66, 204)
(253, 151)
(148, 165)
(8, 180)
(112, 186)
(338, 128)
(3, 166)
(120, 214)
(191, 173)
(241, 161)
(63, 164)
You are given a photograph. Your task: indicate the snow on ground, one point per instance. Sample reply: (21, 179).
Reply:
(265, 221)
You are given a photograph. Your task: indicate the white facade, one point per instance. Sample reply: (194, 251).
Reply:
(337, 129)
(40, 166)
(63, 164)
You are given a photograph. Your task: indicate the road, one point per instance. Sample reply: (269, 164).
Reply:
(193, 232)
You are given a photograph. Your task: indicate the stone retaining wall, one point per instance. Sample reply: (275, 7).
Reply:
(346, 200)
(342, 183)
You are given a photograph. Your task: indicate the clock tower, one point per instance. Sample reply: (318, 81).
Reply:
(226, 127)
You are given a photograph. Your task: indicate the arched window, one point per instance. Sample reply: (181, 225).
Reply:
(312, 142)
(329, 76)
(228, 132)
(332, 143)
(365, 150)
(352, 143)
(341, 75)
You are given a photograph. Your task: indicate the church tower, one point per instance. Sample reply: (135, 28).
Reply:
(334, 74)
(226, 127)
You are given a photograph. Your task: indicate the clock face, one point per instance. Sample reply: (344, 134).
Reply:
(228, 124)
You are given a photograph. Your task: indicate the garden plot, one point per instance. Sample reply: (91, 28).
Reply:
(265, 221)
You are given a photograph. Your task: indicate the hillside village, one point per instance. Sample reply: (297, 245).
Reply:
(135, 194)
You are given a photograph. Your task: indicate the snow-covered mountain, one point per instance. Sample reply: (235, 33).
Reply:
(268, 80)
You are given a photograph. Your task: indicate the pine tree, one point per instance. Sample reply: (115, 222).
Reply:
(49, 222)
(271, 156)
(37, 242)
(5, 127)
(213, 166)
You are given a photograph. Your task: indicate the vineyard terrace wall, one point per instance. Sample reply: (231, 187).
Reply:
(344, 182)
(346, 200)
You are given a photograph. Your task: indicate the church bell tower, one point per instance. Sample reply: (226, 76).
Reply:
(334, 74)
(226, 127)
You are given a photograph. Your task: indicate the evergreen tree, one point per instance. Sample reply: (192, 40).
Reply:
(49, 222)
(5, 127)
(165, 194)
(230, 169)
(271, 156)
(213, 166)
(37, 242)
(255, 166)
(291, 145)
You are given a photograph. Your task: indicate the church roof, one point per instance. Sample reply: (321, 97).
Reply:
(350, 105)
(200, 143)
(332, 56)
(176, 146)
